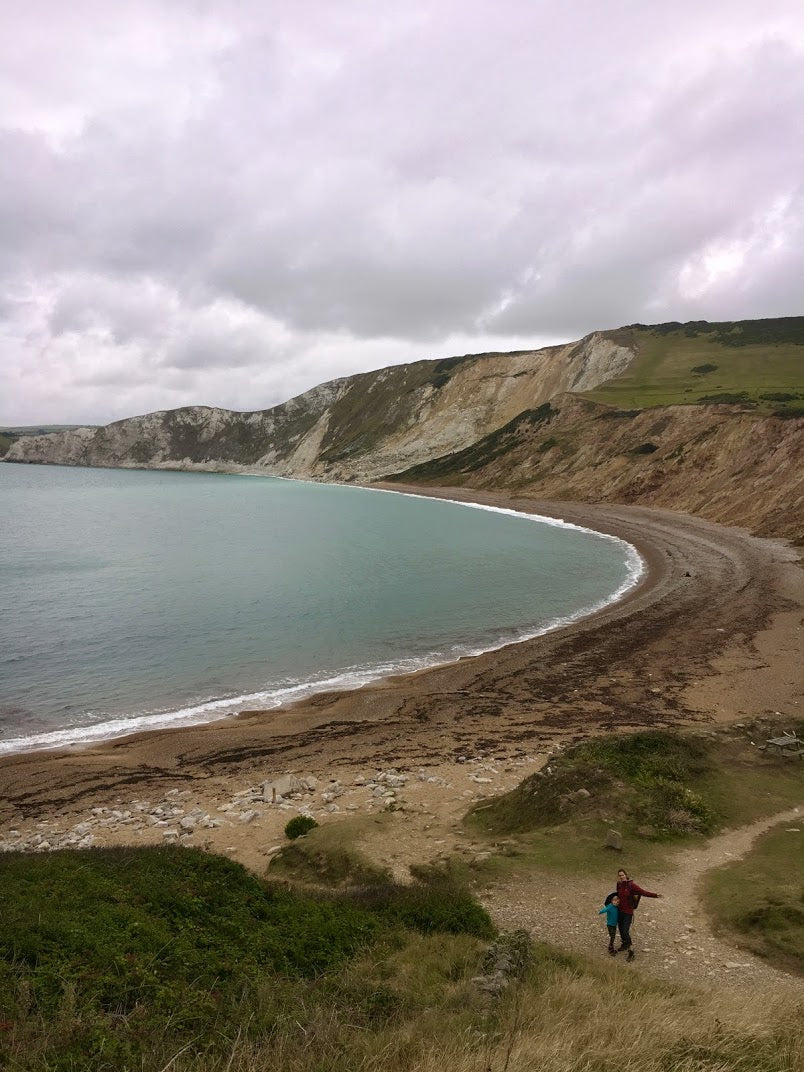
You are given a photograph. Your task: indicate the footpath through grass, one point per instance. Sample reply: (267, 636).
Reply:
(157, 960)
(657, 789)
(116, 960)
(758, 901)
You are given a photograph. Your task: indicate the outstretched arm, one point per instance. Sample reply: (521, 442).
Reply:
(643, 893)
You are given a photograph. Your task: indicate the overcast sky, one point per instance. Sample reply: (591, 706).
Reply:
(226, 203)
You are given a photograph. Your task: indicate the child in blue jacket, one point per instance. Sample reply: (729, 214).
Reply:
(610, 910)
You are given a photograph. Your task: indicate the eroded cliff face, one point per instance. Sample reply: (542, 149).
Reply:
(356, 428)
(719, 462)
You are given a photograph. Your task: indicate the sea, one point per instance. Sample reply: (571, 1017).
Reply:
(134, 599)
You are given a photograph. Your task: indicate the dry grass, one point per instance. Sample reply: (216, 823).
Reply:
(565, 1017)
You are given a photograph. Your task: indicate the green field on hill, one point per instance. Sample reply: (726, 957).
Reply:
(758, 364)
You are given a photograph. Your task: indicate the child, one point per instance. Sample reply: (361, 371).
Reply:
(611, 909)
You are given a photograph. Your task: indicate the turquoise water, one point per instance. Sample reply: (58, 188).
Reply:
(131, 599)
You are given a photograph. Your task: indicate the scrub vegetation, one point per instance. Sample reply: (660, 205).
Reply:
(651, 781)
(656, 787)
(120, 959)
(299, 825)
(174, 959)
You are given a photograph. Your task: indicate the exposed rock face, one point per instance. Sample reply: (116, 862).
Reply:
(719, 462)
(502, 421)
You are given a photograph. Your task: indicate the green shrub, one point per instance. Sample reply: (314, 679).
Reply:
(703, 369)
(652, 753)
(733, 398)
(668, 807)
(298, 825)
(111, 957)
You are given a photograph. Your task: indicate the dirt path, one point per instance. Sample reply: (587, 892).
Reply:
(672, 936)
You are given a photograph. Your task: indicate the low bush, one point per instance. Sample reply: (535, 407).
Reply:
(722, 398)
(428, 907)
(324, 864)
(299, 825)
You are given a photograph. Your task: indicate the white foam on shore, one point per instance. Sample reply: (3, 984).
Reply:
(288, 692)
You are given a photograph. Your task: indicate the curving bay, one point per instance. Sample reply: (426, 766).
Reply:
(134, 600)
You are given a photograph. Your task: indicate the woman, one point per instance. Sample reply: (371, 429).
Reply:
(629, 894)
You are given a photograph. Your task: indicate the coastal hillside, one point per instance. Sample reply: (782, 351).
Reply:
(355, 428)
(706, 417)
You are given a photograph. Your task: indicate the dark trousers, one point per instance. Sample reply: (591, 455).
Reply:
(612, 929)
(624, 923)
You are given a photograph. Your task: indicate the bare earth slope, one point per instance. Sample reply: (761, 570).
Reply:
(719, 462)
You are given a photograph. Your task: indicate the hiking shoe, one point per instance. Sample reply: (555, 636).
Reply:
(631, 955)
(612, 951)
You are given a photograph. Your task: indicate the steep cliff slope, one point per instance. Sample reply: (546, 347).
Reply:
(720, 462)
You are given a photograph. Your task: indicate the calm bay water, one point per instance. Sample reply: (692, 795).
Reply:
(131, 599)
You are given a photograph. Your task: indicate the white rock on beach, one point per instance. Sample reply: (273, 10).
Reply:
(274, 788)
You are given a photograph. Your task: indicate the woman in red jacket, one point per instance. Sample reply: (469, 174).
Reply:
(629, 894)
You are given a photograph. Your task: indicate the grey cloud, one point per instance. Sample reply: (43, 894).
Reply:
(209, 192)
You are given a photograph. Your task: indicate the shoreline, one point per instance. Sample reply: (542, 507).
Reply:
(207, 712)
(710, 633)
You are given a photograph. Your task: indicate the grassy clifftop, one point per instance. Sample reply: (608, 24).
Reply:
(758, 364)
(125, 959)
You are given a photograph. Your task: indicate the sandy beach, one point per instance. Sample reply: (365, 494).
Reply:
(712, 633)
